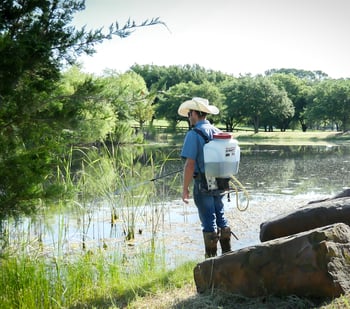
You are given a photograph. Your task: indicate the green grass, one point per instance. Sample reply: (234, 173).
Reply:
(91, 280)
(246, 135)
(293, 135)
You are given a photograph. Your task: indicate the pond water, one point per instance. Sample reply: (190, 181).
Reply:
(278, 179)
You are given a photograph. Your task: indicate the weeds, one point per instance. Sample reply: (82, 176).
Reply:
(56, 262)
(40, 283)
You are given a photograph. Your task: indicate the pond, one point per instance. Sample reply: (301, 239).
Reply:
(278, 179)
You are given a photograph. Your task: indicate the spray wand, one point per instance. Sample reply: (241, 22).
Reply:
(147, 181)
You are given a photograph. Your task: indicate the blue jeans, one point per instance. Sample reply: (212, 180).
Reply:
(210, 209)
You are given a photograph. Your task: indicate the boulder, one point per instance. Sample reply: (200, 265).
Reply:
(313, 215)
(315, 263)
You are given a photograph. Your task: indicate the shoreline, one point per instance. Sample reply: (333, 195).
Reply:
(294, 138)
(313, 135)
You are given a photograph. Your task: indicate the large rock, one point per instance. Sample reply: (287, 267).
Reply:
(313, 215)
(314, 263)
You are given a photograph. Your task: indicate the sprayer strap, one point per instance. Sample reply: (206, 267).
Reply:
(200, 132)
(206, 139)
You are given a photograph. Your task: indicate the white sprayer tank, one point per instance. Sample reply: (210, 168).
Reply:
(221, 156)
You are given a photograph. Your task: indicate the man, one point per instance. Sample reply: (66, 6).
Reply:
(210, 206)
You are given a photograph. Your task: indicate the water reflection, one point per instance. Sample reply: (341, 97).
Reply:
(296, 169)
(278, 179)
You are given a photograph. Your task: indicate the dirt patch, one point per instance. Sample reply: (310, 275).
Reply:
(187, 297)
(175, 298)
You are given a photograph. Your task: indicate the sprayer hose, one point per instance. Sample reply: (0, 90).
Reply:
(236, 185)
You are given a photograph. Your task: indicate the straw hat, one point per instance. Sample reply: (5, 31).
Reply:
(197, 104)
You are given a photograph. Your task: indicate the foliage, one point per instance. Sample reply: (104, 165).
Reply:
(233, 113)
(82, 108)
(36, 40)
(170, 100)
(284, 107)
(161, 78)
(123, 91)
(298, 91)
(94, 279)
(300, 74)
(259, 100)
(331, 104)
(130, 99)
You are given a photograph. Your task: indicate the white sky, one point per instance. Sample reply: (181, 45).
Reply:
(232, 36)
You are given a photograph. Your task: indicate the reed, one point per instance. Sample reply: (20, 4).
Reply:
(107, 178)
(37, 273)
(93, 279)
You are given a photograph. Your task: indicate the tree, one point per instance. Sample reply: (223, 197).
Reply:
(233, 115)
(79, 94)
(36, 40)
(298, 91)
(129, 95)
(259, 101)
(331, 104)
(302, 74)
(280, 112)
(170, 100)
(161, 78)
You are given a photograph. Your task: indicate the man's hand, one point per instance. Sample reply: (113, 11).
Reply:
(185, 195)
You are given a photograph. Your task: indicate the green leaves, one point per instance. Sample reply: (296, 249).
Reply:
(39, 116)
(130, 26)
(331, 104)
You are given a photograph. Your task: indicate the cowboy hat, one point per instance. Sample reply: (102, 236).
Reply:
(197, 104)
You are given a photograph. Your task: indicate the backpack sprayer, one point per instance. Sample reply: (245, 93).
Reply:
(221, 163)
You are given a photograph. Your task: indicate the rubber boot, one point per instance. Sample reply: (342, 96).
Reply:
(210, 242)
(225, 239)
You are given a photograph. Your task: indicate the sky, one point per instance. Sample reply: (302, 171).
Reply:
(237, 37)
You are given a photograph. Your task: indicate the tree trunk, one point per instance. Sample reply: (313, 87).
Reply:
(256, 124)
(345, 124)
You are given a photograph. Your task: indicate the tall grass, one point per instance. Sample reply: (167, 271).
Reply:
(109, 174)
(93, 279)
(50, 276)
